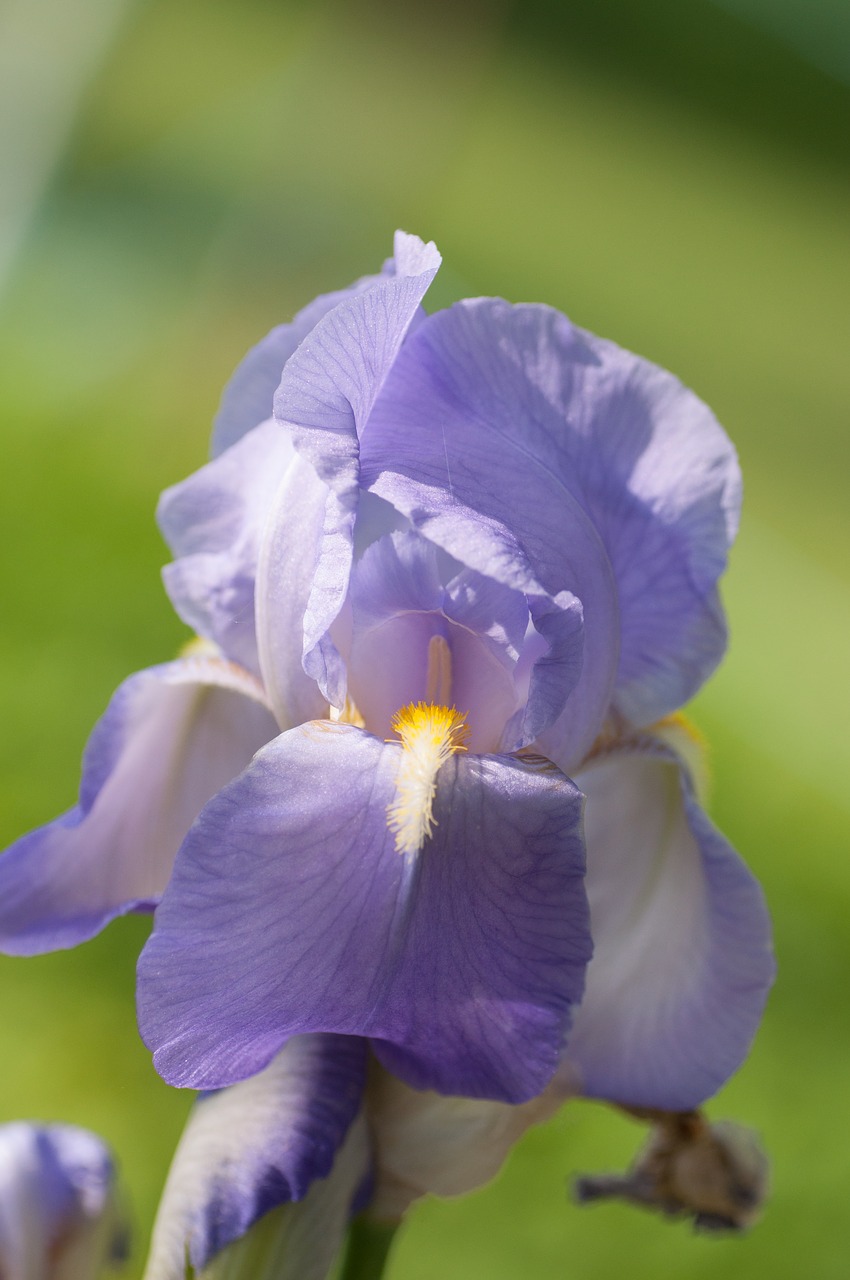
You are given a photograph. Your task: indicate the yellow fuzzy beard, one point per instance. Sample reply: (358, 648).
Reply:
(429, 735)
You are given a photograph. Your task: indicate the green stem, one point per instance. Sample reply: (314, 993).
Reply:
(368, 1249)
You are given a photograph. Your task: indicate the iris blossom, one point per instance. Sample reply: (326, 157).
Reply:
(423, 786)
(59, 1215)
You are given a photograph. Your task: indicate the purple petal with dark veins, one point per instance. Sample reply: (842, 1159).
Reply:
(291, 911)
(461, 442)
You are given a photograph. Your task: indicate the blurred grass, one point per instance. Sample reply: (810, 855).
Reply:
(667, 176)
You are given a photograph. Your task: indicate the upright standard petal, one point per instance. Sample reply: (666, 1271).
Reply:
(285, 582)
(257, 1145)
(421, 635)
(170, 738)
(293, 910)
(213, 522)
(460, 443)
(59, 1215)
(247, 398)
(682, 958)
(515, 410)
(325, 398)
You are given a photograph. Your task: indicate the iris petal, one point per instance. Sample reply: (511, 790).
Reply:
(324, 400)
(598, 462)
(682, 961)
(247, 398)
(299, 1241)
(59, 1215)
(427, 1144)
(212, 521)
(461, 442)
(400, 609)
(291, 911)
(169, 739)
(259, 1144)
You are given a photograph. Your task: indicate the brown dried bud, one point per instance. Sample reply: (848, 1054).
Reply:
(715, 1174)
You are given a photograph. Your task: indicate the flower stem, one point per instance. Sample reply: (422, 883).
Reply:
(368, 1249)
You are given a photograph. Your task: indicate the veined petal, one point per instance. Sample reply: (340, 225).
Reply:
(257, 1145)
(301, 1241)
(285, 582)
(292, 911)
(461, 442)
(286, 585)
(420, 631)
(325, 399)
(247, 398)
(170, 738)
(396, 574)
(682, 958)
(514, 410)
(395, 600)
(330, 387)
(213, 521)
(488, 640)
(59, 1216)
(428, 1144)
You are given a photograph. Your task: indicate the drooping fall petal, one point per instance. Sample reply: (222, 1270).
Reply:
(169, 739)
(682, 956)
(292, 909)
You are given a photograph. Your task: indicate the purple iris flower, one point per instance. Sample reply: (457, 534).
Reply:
(59, 1216)
(422, 785)
(496, 548)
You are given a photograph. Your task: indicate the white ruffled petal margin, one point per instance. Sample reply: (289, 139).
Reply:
(682, 943)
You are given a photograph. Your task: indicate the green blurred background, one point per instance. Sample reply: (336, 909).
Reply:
(176, 177)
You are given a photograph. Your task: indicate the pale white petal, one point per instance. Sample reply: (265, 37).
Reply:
(430, 1144)
(256, 1146)
(171, 737)
(301, 1241)
(682, 958)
